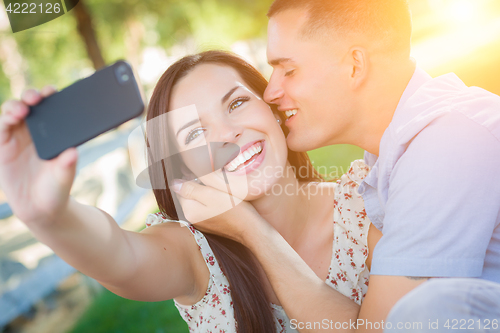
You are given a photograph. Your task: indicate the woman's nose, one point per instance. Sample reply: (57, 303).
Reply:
(228, 131)
(274, 91)
(225, 149)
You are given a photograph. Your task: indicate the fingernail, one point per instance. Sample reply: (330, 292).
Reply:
(177, 185)
(18, 108)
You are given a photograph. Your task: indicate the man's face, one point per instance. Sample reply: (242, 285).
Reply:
(310, 77)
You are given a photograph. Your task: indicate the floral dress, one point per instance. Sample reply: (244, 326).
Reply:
(347, 274)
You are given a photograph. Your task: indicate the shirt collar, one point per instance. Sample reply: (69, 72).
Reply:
(418, 78)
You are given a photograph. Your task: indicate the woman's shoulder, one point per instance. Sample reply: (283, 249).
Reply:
(357, 171)
(347, 183)
(188, 242)
(213, 298)
(167, 229)
(351, 224)
(318, 188)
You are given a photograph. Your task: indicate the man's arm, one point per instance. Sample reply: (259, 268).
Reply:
(439, 214)
(384, 292)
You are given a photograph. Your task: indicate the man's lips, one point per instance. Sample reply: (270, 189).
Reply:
(249, 152)
(289, 113)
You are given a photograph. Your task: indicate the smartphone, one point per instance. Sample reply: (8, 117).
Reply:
(85, 109)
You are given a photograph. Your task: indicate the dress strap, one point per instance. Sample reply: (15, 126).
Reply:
(220, 280)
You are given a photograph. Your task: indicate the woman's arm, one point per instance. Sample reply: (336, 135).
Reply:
(156, 264)
(303, 295)
(160, 263)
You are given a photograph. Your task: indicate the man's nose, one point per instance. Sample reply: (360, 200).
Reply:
(274, 91)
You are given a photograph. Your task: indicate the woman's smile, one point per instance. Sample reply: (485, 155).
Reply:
(250, 158)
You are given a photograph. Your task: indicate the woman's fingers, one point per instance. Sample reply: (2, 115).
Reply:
(15, 109)
(193, 191)
(67, 158)
(48, 90)
(13, 113)
(66, 166)
(209, 202)
(31, 97)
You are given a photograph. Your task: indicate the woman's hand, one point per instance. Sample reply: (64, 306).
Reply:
(218, 212)
(37, 190)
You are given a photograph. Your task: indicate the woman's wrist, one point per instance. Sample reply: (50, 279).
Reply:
(56, 218)
(259, 231)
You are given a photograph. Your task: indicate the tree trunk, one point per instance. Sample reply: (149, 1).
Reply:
(133, 38)
(86, 31)
(11, 61)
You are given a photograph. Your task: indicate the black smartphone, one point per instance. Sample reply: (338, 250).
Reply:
(85, 109)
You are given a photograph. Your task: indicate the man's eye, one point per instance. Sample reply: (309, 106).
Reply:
(194, 134)
(237, 103)
(290, 72)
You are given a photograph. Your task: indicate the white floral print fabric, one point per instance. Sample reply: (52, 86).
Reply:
(347, 274)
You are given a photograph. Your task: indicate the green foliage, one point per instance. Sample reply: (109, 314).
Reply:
(4, 87)
(334, 161)
(110, 313)
(55, 53)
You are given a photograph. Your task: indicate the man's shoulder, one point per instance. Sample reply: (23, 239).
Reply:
(446, 96)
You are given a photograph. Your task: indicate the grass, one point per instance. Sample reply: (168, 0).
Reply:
(110, 313)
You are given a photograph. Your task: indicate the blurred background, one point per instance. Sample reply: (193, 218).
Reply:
(38, 291)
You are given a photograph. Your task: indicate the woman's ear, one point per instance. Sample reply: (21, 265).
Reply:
(278, 119)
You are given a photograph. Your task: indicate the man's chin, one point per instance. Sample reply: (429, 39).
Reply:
(298, 143)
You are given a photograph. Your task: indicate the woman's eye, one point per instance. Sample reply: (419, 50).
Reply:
(194, 134)
(237, 103)
(290, 72)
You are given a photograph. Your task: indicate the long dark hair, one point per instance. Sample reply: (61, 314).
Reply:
(252, 309)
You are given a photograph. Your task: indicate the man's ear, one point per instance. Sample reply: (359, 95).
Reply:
(358, 59)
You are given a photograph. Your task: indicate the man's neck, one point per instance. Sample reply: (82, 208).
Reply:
(379, 105)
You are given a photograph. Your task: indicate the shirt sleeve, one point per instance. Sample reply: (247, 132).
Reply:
(443, 202)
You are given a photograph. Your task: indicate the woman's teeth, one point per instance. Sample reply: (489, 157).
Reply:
(290, 113)
(244, 156)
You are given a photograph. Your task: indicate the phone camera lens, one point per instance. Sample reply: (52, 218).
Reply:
(122, 74)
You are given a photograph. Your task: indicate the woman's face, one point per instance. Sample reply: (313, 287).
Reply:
(212, 105)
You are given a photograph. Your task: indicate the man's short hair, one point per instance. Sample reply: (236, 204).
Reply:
(387, 21)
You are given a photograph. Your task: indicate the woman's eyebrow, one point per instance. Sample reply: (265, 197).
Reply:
(226, 96)
(186, 125)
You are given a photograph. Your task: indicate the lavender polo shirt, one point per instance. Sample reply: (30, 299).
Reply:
(434, 189)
